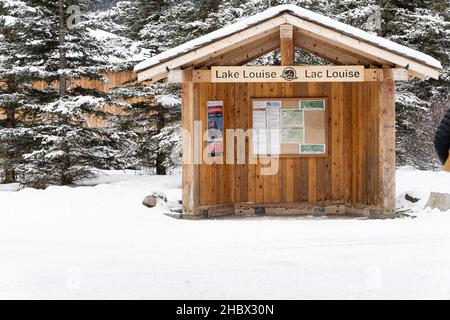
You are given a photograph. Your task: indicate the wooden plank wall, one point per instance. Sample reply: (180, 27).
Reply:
(350, 172)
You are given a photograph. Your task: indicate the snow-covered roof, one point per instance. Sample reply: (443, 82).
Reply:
(299, 13)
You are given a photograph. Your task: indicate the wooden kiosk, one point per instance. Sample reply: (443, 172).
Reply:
(331, 128)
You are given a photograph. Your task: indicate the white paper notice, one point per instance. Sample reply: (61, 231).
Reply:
(266, 104)
(259, 132)
(259, 104)
(273, 124)
(259, 119)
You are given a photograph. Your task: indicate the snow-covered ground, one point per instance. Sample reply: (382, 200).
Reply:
(99, 241)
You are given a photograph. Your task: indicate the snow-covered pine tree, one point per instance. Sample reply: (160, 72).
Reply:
(425, 26)
(54, 47)
(172, 24)
(17, 71)
(165, 142)
(153, 115)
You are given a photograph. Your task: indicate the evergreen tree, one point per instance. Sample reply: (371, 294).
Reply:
(64, 149)
(153, 113)
(18, 97)
(154, 117)
(424, 26)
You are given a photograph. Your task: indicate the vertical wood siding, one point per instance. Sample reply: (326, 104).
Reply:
(349, 173)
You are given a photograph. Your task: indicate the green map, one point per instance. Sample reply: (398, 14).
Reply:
(292, 118)
(312, 104)
(312, 148)
(292, 135)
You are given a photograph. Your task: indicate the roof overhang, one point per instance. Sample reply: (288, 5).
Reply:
(255, 36)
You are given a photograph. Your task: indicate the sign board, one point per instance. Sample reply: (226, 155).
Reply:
(215, 128)
(288, 74)
(289, 126)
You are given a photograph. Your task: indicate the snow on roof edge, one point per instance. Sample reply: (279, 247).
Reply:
(300, 13)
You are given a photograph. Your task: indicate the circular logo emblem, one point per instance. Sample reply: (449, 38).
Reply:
(289, 74)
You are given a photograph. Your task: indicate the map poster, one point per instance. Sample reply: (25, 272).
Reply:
(312, 148)
(292, 135)
(215, 148)
(215, 128)
(312, 104)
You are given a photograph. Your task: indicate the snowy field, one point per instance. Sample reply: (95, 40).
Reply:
(99, 241)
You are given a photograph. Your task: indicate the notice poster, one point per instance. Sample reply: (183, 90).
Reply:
(273, 124)
(215, 148)
(312, 105)
(259, 132)
(215, 128)
(312, 149)
(292, 130)
(266, 104)
(266, 125)
(292, 118)
(292, 135)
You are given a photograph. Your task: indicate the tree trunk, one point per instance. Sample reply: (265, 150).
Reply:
(160, 157)
(11, 109)
(66, 177)
(160, 168)
(9, 175)
(159, 3)
(8, 171)
(62, 50)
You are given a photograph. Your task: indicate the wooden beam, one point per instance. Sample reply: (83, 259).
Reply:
(178, 76)
(287, 45)
(201, 76)
(373, 75)
(398, 74)
(252, 55)
(245, 53)
(329, 52)
(218, 47)
(359, 47)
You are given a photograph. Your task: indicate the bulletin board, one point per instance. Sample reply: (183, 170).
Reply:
(289, 126)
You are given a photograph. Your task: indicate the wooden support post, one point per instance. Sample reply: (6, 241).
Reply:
(190, 179)
(387, 142)
(287, 49)
(287, 45)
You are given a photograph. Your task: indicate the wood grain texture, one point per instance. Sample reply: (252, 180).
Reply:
(360, 163)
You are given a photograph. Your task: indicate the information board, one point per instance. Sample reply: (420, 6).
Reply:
(289, 126)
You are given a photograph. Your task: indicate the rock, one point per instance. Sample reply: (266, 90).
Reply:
(149, 201)
(439, 201)
(411, 198)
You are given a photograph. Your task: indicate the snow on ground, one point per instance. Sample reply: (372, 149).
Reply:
(99, 241)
